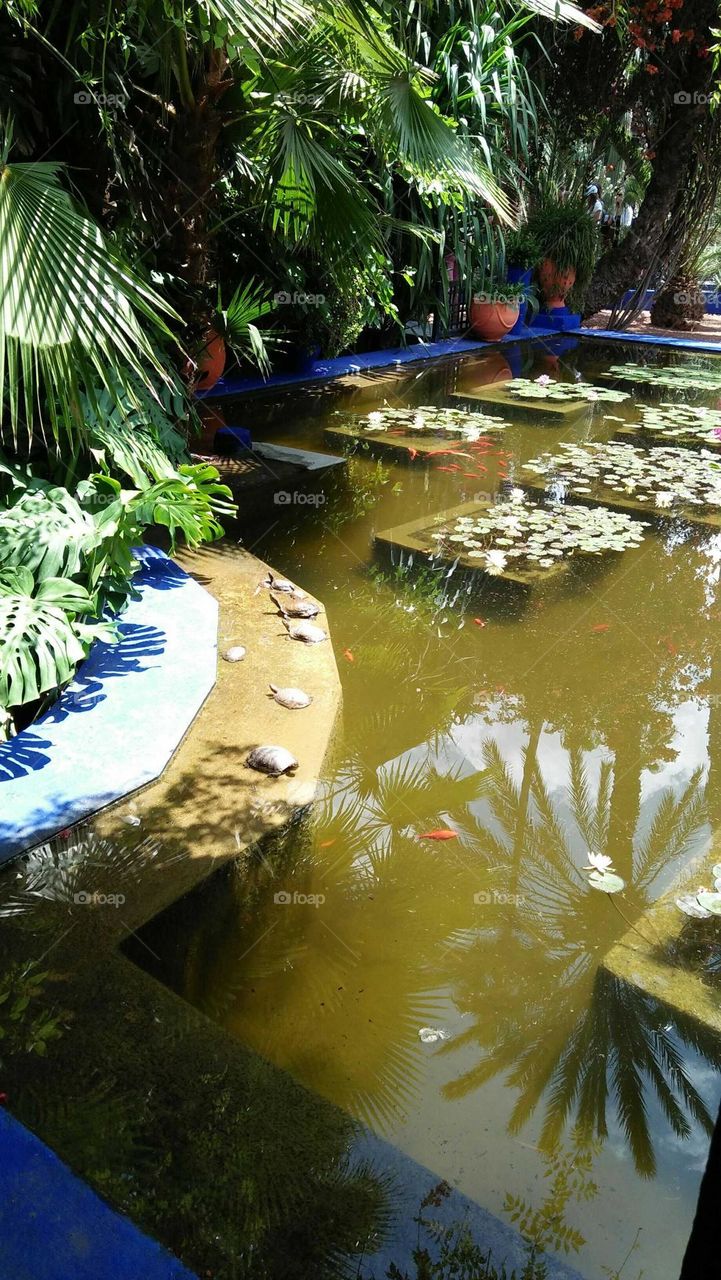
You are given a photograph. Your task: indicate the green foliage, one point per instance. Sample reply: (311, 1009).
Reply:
(449, 1252)
(566, 233)
(27, 1024)
(522, 248)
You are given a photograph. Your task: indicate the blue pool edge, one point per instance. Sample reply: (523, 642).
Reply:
(120, 720)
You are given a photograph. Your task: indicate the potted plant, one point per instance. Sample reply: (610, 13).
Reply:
(495, 308)
(523, 254)
(568, 241)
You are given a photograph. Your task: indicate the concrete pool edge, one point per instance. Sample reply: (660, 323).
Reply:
(340, 366)
(93, 747)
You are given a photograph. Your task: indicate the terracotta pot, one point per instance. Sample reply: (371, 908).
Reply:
(493, 320)
(483, 371)
(210, 360)
(554, 283)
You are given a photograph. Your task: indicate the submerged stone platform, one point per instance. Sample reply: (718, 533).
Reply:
(411, 447)
(643, 437)
(630, 506)
(416, 537)
(549, 413)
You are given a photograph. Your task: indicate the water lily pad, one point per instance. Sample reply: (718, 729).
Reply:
(606, 881)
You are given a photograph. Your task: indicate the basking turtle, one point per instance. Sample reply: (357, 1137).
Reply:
(305, 632)
(293, 607)
(283, 585)
(236, 653)
(294, 699)
(272, 760)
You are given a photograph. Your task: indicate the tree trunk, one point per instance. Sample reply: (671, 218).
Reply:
(680, 304)
(622, 267)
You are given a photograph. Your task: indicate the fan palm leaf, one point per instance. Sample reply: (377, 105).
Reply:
(70, 310)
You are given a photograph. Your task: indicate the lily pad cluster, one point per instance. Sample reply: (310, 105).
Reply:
(514, 534)
(705, 902)
(430, 420)
(680, 376)
(664, 478)
(682, 422)
(546, 388)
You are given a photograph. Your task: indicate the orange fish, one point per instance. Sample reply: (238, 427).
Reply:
(479, 622)
(601, 626)
(348, 655)
(326, 844)
(412, 453)
(443, 833)
(669, 645)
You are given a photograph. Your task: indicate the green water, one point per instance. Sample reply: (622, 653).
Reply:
(557, 1096)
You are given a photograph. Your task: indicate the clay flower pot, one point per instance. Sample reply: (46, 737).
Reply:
(493, 320)
(555, 284)
(211, 360)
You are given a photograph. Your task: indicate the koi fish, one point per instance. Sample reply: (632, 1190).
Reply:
(442, 833)
(480, 622)
(348, 655)
(601, 626)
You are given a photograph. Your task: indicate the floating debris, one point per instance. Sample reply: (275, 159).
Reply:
(430, 1035)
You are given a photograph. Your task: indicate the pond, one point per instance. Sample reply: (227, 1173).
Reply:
(421, 952)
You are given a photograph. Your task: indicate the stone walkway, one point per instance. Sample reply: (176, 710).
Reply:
(708, 328)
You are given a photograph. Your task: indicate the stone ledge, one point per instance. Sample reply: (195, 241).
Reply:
(118, 723)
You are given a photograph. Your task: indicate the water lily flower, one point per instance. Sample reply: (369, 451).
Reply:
(496, 561)
(598, 862)
(544, 380)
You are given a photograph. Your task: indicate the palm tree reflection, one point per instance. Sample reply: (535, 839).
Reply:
(571, 1036)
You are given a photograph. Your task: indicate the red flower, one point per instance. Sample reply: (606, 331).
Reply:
(675, 35)
(651, 70)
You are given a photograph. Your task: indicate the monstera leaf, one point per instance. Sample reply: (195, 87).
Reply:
(41, 638)
(47, 532)
(188, 503)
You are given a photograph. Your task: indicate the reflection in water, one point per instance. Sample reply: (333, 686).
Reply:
(532, 728)
(578, 1039)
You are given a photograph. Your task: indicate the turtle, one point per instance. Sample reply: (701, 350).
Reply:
(294, 699)
(236, 653)
(292, 607)
(282, 584)
(272, 760)
(306, 632)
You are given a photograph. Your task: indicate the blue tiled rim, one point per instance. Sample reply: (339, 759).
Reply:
(54, 1227)
(117, 724)
(342, 366)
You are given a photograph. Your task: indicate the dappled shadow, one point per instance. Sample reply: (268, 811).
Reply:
(22, 755)
(137, 644)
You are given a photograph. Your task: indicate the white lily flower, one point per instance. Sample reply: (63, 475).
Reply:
(598, 862)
